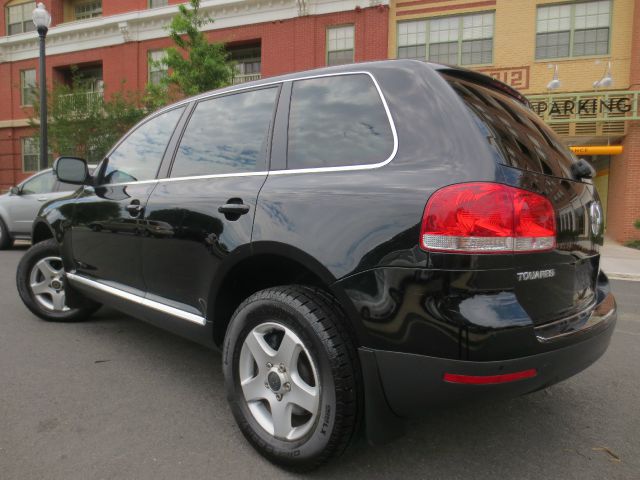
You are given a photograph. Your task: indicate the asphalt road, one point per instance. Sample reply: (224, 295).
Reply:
(114, 398)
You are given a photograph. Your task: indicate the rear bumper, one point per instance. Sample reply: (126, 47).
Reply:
(413, 382)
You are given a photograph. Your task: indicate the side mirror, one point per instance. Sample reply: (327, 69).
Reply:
(582, 169)
(71, 170)
(14, 191)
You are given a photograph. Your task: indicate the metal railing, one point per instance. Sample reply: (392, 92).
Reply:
(81, 101)
(242, 78)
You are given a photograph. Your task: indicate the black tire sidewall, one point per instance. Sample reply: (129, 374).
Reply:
(316, 441)
(5, 237)
(47, 248)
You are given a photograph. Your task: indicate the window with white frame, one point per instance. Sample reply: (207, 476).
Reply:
(573, 30)
(458, 40)
(19, 18)
(157, 68)
(158, 3)
(84, 10)
(30, 154)
(27, 86)
(340, 45)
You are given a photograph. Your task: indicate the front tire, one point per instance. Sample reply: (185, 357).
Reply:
(41, 285)
(292, 376)
(6, 241)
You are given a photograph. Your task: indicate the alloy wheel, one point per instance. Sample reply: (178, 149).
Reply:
(46, 284)
(279, 381)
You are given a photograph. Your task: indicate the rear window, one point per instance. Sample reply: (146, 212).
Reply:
(337, 121)
(522, 140)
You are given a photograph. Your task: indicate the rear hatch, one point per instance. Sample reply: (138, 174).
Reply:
(561, 282)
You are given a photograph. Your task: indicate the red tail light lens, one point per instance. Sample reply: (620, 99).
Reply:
(487, 218)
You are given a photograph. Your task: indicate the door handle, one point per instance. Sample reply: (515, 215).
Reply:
(42, 199)
(233, 209)
(134, 208)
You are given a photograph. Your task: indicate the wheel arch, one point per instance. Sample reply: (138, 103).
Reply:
(41, 232)
(269, 264)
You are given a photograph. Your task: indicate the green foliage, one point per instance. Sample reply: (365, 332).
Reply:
(82, 123)
(637, 224)
(194, 64)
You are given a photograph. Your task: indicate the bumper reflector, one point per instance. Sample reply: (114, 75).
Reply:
(489, 379)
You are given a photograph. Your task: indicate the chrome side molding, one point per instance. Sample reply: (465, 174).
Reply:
(175, 312)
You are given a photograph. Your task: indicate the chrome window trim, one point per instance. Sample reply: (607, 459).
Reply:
(206, 96)
(173, 311)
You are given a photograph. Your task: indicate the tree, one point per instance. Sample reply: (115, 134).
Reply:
(194, 65)
(82, 123)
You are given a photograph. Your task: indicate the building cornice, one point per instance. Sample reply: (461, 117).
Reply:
(150, 24)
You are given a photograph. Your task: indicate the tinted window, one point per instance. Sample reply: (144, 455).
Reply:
(39, 184)
(227, 135)
(520, 137)
(139, 155)
(337, 121)
(66, 187)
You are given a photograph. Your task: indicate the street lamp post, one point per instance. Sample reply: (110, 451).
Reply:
(42, 20)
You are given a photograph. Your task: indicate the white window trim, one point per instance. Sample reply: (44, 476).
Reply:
(572, 30)
(353, 49)
(460, 40)
(24, 101)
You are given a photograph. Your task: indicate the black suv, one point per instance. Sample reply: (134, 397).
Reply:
(362, 242)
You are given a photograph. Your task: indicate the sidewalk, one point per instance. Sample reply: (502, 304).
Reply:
(620, 262)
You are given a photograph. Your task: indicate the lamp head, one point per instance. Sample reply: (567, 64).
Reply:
(41, 18)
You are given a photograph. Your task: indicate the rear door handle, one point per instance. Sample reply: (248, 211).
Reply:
(42, 199)
(233, 209)
(134, 208)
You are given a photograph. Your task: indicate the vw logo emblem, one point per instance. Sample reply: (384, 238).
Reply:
(596, 217)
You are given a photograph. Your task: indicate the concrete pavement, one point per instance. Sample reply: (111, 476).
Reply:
(620, 262)
(114, 398)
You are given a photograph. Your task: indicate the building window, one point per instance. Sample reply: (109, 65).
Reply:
(157, 69)
(340, 45)
(247, 61)
(30, 154)
(573, 30)
(27, 86)
(19, 18)
(457, 40)
(90, 9)
(158, 3)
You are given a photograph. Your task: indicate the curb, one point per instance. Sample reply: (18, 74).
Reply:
(630, 277)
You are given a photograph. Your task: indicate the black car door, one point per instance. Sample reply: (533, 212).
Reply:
(202, 213)
(106, 235)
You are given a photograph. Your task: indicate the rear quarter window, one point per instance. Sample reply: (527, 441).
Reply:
(522, 140)
(337, 121)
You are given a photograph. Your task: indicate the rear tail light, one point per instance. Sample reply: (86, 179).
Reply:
(487, 218)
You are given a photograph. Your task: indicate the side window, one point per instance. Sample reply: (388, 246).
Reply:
(65, 187)
(337, 121)
(138, 157)
(42, 183)
(227, 135)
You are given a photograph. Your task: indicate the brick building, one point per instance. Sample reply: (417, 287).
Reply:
(111, 41)
(522, 42)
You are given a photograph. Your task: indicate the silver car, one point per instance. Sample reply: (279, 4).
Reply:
(19, 207)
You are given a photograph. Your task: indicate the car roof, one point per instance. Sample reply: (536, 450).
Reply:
(369, 67)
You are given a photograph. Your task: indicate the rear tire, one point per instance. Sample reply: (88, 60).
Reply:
(40, 284)
(292, 376)
(6, 241)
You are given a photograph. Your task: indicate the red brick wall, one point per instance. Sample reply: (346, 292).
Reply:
(624, 171)
(287, 46)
